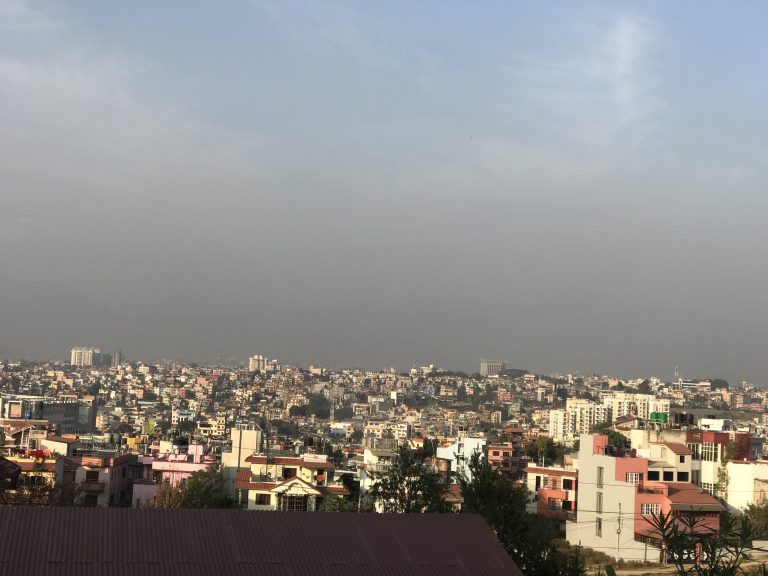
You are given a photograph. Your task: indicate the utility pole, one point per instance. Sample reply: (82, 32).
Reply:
(618, 535)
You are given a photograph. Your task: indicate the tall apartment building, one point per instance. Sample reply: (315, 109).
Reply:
(257, 363)
(641, 405)
(491, 367)
(84, 356)
(579, 417)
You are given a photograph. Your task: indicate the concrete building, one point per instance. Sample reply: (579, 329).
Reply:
(98, 481)
(640, 405)
(85, 356)
(491, 367)
(287, 483)
(458, 452)
(246, 440)
(579, 417)
(616, 499)
(257, 363)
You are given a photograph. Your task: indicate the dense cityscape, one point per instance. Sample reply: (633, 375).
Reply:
(590, 452)
(332, 288)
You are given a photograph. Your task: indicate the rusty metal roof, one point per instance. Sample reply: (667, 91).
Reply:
(89, 541)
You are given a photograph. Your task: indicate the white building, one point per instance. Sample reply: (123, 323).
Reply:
(257, 363)
(458, 452)
(399, 430)
(491, 367)
(579, 417)
(640, 405)
(84, 356)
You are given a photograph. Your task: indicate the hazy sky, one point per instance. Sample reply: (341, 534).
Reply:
(569, 186)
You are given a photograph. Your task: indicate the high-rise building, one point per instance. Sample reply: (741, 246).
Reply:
(491, 367)
(257, 363)
(117, 358)
(85, 356)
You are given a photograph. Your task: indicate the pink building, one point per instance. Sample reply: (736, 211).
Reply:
(173, 467)
(617, 501)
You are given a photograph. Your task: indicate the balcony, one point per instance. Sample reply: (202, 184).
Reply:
(92, 487)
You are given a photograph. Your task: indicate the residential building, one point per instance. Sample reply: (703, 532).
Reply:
(84, 356)
(617, 499)
(457, 451)
(98, 481)
(287, 483)
(554, 489)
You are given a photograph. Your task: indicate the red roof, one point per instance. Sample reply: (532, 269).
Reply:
(686, 496)
(59, 541)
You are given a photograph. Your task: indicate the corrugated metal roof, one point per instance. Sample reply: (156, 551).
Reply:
(84, 541)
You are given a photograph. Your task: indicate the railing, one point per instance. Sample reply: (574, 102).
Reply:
(92, 486)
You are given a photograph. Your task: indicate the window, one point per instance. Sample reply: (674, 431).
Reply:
(294, 503)
(695, 453)
(495, 452)
(682, 476)
(710, 452)
(599, 527)
(567, 484)
(263, 499)
(633, 477)
(599, 476)
(669, 475)
(599, 503)
(555, 503)
(653, 475)
(649, 509)
(682, 459)
(244, 497)
(289, 473)
(92, 476)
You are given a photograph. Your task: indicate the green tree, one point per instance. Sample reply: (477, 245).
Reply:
(696, 550)
(758, 517)
(545, 447)
(334, 504)
(408, 486)
(528, 538)
(203, 489)
(615, 438)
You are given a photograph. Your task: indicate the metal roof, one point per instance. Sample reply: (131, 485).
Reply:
(62, 541)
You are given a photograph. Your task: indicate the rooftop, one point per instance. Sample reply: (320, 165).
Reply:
(88, 541)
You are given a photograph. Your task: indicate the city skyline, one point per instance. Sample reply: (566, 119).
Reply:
(570, 187)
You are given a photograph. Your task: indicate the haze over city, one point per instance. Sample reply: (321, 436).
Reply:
(567, 186)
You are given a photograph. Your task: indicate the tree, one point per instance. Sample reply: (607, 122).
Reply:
(546, 448)
(528, 538)
(408, 486)
(335, 504)
(615, 438)
(203, 489)
(697, 550)
(758, 517)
